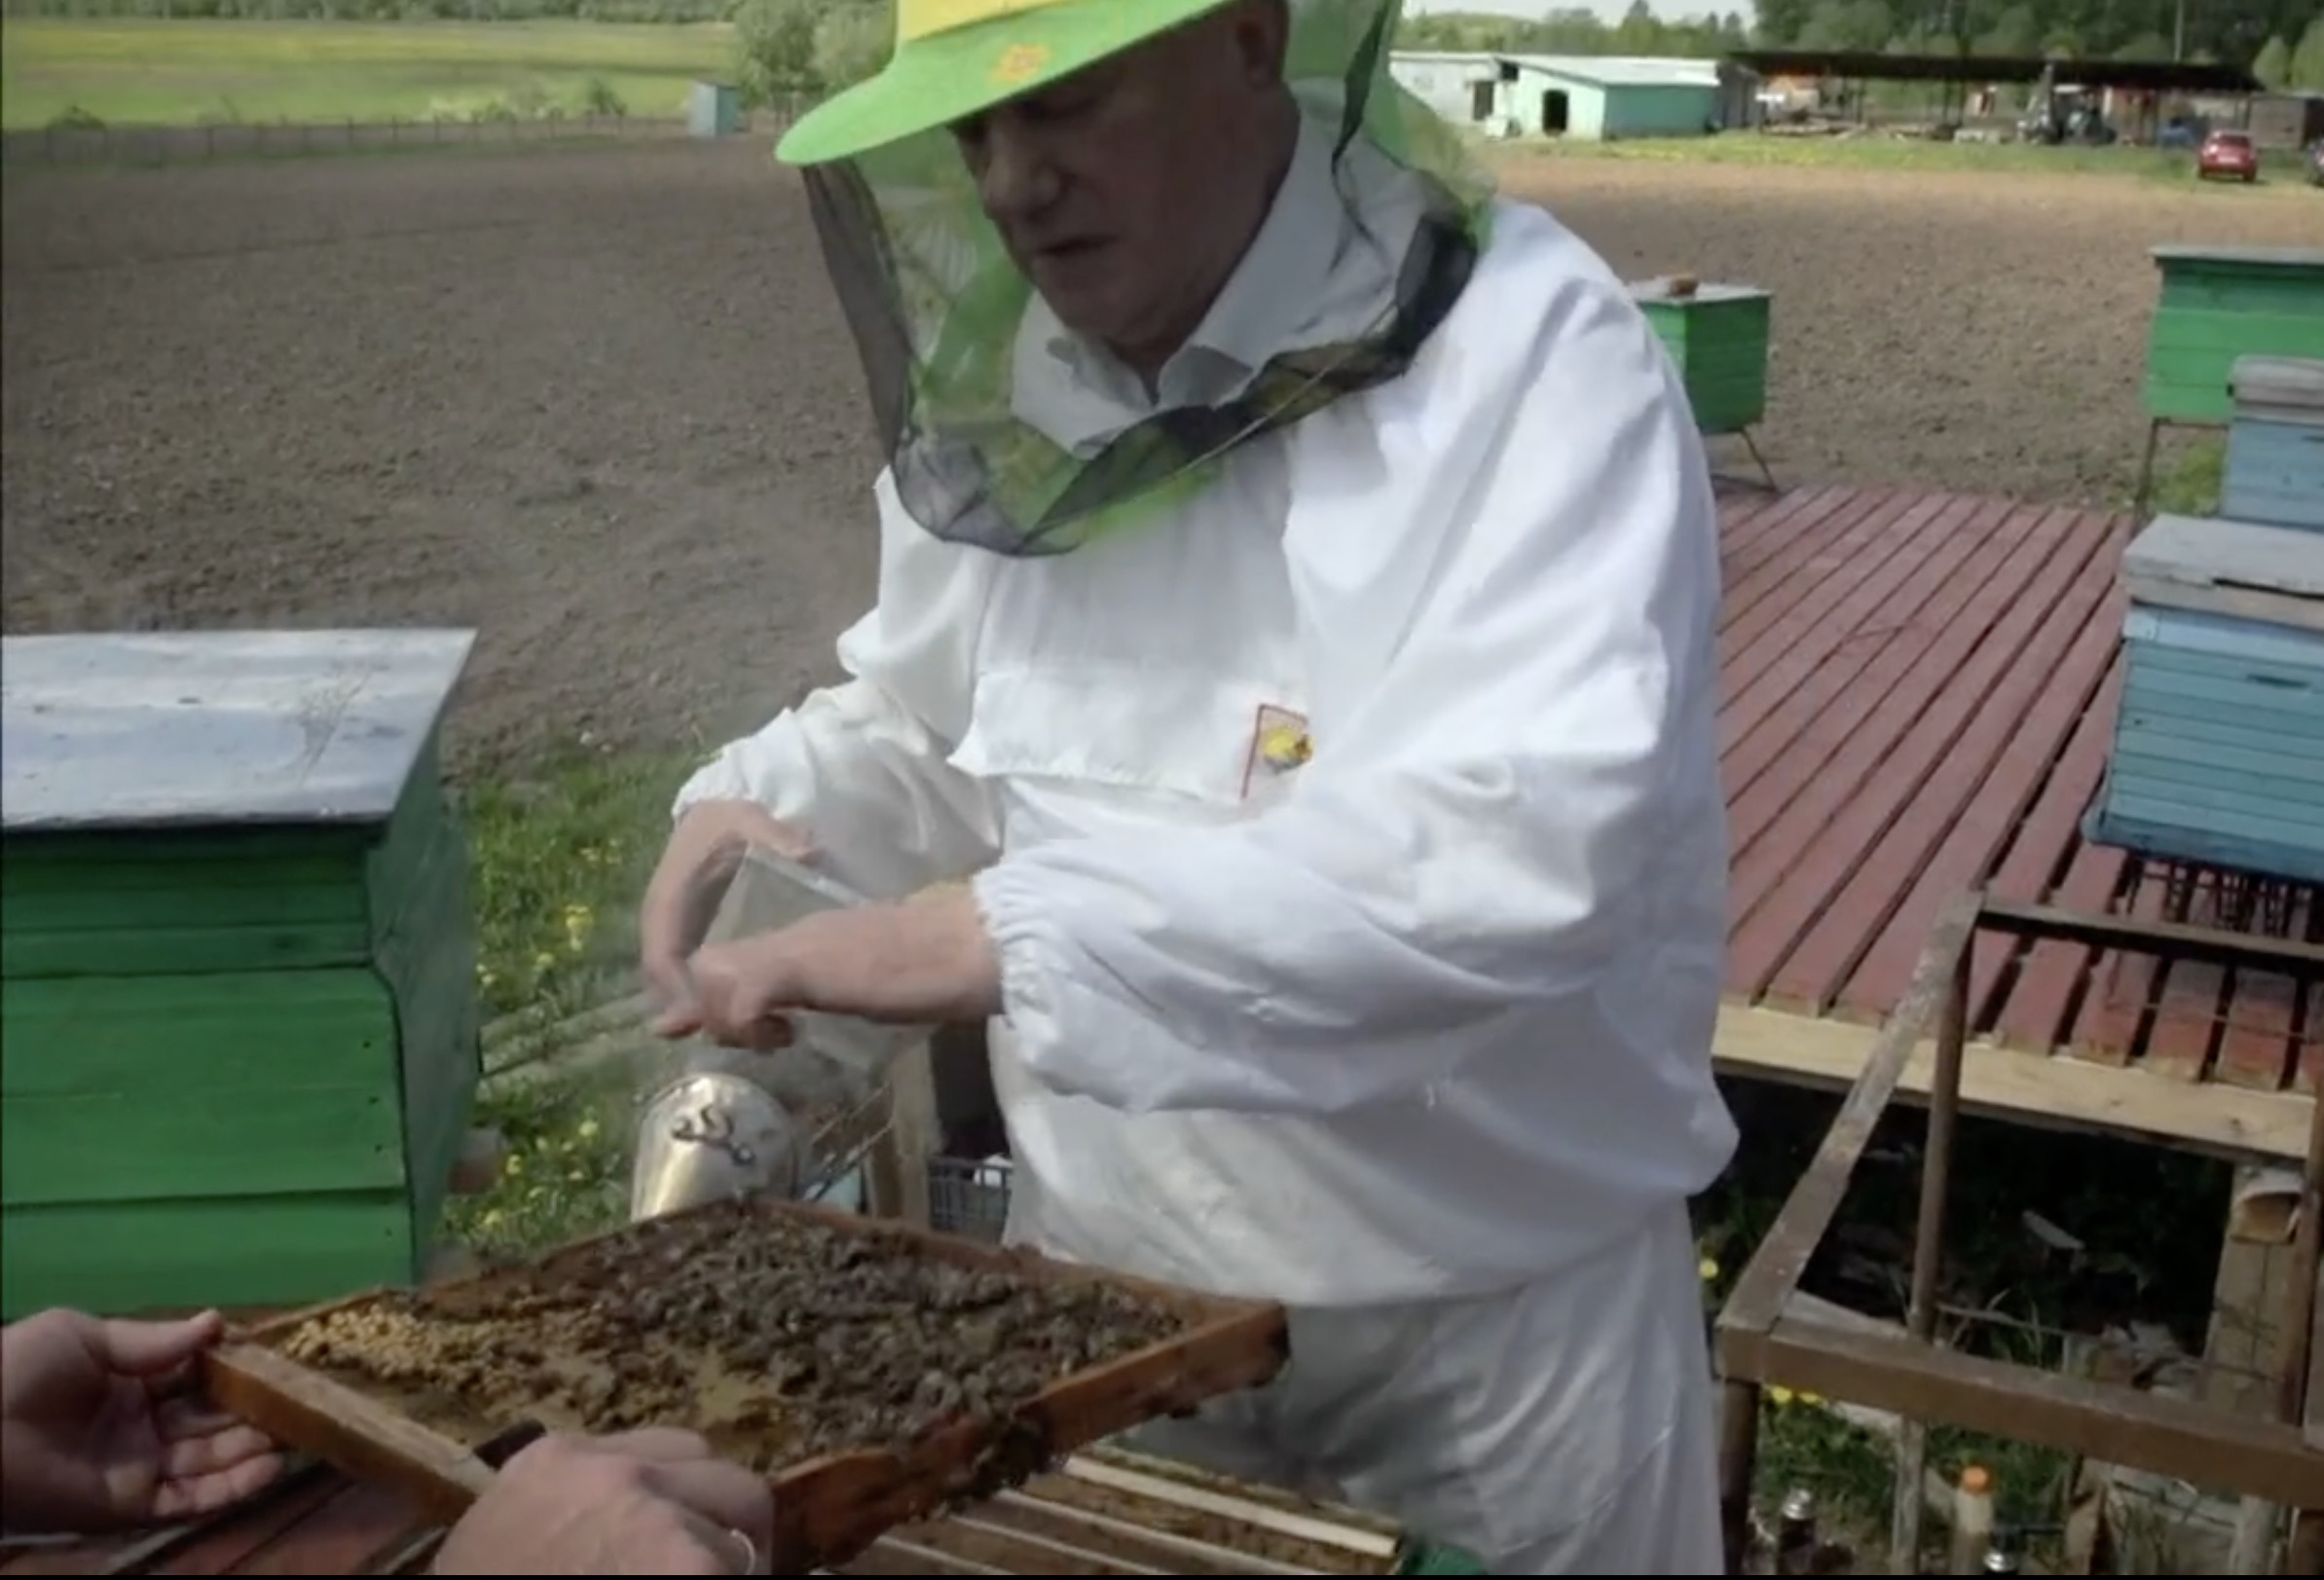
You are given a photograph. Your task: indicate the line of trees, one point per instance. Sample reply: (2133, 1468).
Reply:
(810, 46)
(2281, 41)
(1578, 31)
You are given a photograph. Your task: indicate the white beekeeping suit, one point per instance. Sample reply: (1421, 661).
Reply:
(1356, 867)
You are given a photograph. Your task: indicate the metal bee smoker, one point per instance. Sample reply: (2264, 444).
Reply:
(728, 1122)
(710, 1135)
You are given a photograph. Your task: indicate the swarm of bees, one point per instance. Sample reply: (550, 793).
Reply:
(778, 1338)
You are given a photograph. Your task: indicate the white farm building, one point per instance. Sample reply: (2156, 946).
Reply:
(1590, 97)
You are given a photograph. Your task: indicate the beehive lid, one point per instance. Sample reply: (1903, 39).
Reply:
(2237, 568)
(2292, 384)
(208, 728)
(2303, 258)
(1646, 292)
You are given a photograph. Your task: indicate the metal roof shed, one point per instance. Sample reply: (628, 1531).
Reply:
(1605, 97)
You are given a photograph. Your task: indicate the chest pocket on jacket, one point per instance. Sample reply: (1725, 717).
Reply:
(1158, 735)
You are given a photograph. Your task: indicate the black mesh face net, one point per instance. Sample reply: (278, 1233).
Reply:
(936, 305)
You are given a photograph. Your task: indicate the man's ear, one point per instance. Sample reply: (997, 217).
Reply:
(1262, 31)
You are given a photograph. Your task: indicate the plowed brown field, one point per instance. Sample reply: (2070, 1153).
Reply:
(600, 403)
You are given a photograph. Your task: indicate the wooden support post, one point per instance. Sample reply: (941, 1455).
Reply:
(2302, 1358)
(2146, 476)
(1737, 1464)
(896, 1173)
(1928, 1249)
(2240, 1354)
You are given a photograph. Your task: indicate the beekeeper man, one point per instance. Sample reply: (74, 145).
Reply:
(1295, 606)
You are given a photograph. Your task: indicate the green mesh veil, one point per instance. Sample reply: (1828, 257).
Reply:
(935, 306)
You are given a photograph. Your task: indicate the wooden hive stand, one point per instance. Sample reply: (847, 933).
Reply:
(240, 1035)
(1772, 1336)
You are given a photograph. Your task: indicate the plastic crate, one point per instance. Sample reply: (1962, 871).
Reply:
(969, 1196)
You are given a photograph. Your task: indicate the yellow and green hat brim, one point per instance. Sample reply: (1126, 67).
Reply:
(942, 77)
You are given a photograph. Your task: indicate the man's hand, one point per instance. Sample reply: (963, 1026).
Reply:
(917, 964)
(99, 1429)
(706, 850)
(650, 1502)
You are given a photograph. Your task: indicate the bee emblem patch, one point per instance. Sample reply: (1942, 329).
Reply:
(1279, 748)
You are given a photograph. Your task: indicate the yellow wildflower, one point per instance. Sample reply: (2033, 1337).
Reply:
(1707, 1270)
(578, 921)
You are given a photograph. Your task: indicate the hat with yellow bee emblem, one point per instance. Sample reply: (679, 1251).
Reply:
(955, 57)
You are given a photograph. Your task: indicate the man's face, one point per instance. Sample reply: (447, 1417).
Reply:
(1127, 192)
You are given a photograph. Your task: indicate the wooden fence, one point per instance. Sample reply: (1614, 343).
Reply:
(70, 145)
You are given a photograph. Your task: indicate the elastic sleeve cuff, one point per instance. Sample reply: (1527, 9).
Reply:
(1008, 904)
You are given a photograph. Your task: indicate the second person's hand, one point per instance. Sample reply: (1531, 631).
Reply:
(705, 851)
(656, 1501)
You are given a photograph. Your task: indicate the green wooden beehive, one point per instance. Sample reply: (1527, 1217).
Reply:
(1717, 334)
(238, 966)
(2219, 304)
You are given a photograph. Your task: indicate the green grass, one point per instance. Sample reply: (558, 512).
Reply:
(2189, 483)
(1874, 151)
(187, 73)
(561, 858)
(2190, 471)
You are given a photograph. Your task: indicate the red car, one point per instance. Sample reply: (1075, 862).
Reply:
(2227, 155)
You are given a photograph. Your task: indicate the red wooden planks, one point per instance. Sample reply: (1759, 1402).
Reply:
(363, 1523)
(1860, 954)
(2185, 1018)
(229, 1544)
(2256, 1046)
(1757, 568)
(1918, 697)
(2032, 1015)
(1868, 580)
(1749, 532)
(1847, 777)
(1854, 648)
(1848, 833)
(2122, 987)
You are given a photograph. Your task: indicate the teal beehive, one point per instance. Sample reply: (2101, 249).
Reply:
(2218, 751)
(2275, 443)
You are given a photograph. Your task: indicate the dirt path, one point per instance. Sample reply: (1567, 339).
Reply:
(601, 403)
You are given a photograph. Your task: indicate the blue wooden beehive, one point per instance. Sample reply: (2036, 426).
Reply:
(2219, 745)
(2275, 443)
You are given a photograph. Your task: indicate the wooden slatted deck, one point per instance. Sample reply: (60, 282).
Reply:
(1919, 697)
